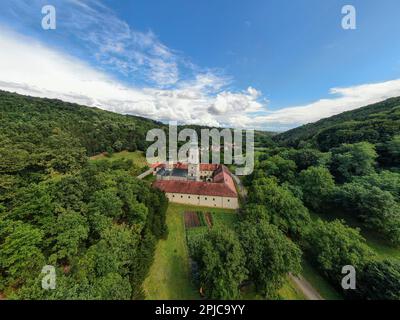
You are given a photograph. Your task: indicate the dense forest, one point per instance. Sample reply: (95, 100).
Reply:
(99, 225)
(376, 124)
(345, 167)
(92, 220)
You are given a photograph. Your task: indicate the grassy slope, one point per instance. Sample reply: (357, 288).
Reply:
(169, 276)
(138, 157)
(319, 283)
(289, 291)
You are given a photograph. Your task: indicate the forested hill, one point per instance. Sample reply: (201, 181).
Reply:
(28, 122)
(92, 221)
(374, 123)
(27, 119)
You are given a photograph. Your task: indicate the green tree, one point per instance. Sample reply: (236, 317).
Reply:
(351, 160)
(282, 169)
(377, 209)
(221, 262)
(393, 147)
(379, 280)
(332, 245)
(13, 159)
(317, 185)
(72, 229)
(111, 287)
(305, 158)
(287, 211)
(20, 252)
(270, 256)
(106, 202)
(384, 180)
(255, 213)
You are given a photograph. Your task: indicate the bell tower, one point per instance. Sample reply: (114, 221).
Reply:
(194, 162)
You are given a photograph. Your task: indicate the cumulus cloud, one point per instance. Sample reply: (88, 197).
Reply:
(29, 67)
(229, 103)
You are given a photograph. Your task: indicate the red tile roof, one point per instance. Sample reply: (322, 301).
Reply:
(196, 188)
(222, 185)
(156, 165)
(222, 175)
(209, 166)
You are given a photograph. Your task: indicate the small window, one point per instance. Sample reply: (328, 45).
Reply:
(229, 200)
(188, 197)
(205, 198)
(173, 196)
(181, 197)
(213, 199)
(198, 198)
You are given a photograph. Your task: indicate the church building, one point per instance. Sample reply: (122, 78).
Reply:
(195, 183)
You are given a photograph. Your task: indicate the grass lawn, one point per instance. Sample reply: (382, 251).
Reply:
(319, 283)
(150, 178)
(138, 157)
(169, 276)
(289, 291)
(225, 218)
(381, 247)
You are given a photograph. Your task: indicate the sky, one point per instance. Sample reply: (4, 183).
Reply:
(262, 64)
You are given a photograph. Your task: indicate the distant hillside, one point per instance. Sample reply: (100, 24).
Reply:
(374, 123)
(27, 119)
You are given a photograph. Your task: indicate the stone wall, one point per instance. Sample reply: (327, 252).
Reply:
(204, 201)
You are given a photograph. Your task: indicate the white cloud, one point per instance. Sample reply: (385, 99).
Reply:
(344, 99)
(28, 67)
(110, 40)
(227, 103)
(196, 96)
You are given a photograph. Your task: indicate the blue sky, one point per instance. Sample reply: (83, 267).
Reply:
(263, 64)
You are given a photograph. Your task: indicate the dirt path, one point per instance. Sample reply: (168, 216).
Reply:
(241, 189)
(307, 289)
(145, 174)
